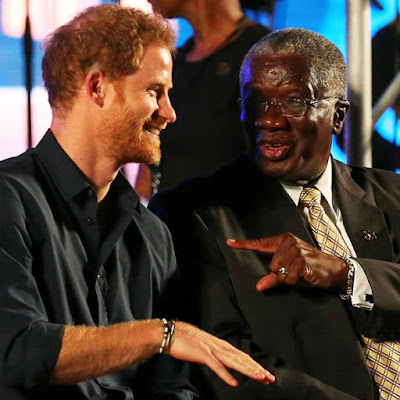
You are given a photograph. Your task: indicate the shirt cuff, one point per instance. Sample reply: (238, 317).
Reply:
(362, 291)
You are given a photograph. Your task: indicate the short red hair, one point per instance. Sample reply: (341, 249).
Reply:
(109, 35)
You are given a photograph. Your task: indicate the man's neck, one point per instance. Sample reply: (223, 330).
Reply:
(323, 183)
(213, 23)
(78, 142)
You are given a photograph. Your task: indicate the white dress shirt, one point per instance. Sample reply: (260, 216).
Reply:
(361, 286)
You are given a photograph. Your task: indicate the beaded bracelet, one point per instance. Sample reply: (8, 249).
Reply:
(169, 329)
(171, 324)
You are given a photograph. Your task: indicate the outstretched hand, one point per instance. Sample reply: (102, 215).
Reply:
(295, 261)
(192, 344)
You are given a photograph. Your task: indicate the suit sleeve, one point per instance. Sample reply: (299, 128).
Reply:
(379, 213)
(29, 344)
(210, 302)
(383, 322)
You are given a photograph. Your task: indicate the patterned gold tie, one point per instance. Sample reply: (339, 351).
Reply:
(383, 358)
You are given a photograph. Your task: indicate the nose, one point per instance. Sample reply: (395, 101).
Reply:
(272, 118)
(166, 110)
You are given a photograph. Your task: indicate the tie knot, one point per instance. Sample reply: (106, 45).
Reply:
(310, 196)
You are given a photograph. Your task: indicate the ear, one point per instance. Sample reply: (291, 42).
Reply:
(342, 107)
(95, 87)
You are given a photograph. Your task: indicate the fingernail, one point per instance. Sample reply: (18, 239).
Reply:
(234, 382)
(231, 240)
(270, 376)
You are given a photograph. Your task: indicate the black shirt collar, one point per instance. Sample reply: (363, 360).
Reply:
(69, 179)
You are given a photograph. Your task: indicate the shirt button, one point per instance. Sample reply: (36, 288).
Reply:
(89, 221)
(98, 276)
(90, 193)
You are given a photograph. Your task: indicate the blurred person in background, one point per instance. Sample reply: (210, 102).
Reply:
(207, 133)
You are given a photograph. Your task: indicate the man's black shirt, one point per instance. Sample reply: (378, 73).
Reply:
(57, 267)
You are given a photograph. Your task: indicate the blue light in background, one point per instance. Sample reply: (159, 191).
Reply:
(388, 127)
(380, 18)
(185, 30)
(337, 152)
(327, 17)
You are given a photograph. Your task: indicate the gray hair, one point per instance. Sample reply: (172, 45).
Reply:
(327, 65)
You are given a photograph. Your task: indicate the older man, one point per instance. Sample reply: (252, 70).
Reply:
(318, 301)
(84, 267)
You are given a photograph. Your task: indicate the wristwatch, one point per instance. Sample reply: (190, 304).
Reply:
(350, 280)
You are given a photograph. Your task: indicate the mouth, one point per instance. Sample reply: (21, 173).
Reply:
(153, 129)
(274, 151)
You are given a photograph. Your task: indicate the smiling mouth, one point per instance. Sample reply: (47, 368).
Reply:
(153, 129)
(274, 152)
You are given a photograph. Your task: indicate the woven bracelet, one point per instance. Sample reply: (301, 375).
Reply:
(169, 328)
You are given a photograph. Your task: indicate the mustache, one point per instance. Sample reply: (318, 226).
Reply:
(156, 121)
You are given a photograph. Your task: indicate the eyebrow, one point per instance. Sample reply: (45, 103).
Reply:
(160, 85)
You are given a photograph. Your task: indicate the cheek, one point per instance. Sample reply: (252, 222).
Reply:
(309, 144)
(144, 112)
(143, 107)
(313, 117)
(152, 106)
(316, 148)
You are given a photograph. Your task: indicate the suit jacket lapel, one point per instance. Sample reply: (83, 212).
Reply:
(363, 220)
(266, 209)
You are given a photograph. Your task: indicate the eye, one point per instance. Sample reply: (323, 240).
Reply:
(152, 93)
(294, 101)
(294, 104)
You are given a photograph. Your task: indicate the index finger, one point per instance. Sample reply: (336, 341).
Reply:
(266, 245)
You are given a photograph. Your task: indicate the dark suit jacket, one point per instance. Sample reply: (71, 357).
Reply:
(308, 337)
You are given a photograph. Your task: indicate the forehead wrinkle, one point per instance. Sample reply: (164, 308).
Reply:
(276, 74)
(279, 71)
